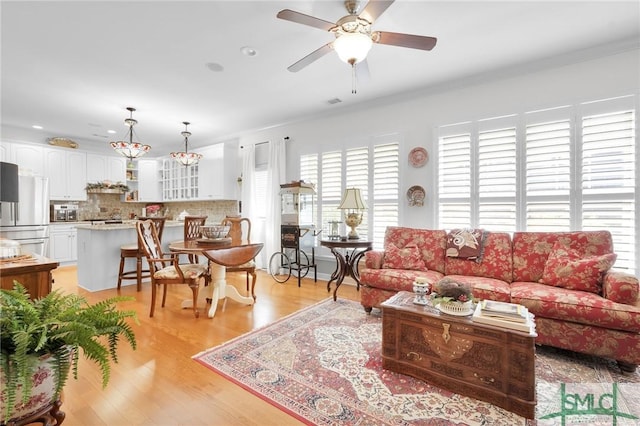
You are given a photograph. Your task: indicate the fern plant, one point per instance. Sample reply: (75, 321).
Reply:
(60, 325)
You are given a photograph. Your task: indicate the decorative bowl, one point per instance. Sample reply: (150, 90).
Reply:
(456, 308)
(215, 231)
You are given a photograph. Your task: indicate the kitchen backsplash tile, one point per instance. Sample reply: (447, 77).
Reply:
(110, 206)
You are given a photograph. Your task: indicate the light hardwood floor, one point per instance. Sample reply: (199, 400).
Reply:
(159, 383)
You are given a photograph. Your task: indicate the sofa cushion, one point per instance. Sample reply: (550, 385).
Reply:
(465, 243)
(621, 287)
(531, 249)
(484, 288)
(431, 242)
(568, 268)
(373, 259)
(496, 259)
(408, 257)
(395, 279)
(575, 306)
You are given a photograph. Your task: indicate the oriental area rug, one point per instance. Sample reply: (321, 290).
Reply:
(323, 366)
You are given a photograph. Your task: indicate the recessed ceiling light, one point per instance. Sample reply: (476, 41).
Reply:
(111, 132)
(214, 66)
(248, 51)
(36, 126)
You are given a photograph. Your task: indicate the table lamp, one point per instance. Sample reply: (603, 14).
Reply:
(354, 205)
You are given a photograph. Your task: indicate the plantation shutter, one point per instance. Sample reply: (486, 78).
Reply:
(331, 190)
(454, 178)
(548, 171)
(357, 176)
(608, 166)
(386, 190)
(309, 173)
(497, 175)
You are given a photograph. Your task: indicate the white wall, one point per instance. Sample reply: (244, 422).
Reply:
(416, 118)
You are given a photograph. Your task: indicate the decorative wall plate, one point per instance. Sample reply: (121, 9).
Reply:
(416, 195)
(418, 157)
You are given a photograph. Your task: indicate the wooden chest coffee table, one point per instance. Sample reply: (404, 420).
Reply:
(488, 363)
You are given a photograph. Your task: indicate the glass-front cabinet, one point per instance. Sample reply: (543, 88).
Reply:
(179, 182)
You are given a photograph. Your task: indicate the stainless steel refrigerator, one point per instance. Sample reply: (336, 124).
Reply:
(27, 221)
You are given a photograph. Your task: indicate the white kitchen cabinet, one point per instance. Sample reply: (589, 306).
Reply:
(67, 172)
(5, 148)
(149, 185)
(219, 170)
(101, 168)
(28, 157)
(63, 243)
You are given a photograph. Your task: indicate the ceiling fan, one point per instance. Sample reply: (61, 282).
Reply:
(354, 36)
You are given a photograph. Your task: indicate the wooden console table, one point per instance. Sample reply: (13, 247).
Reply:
(34, 274)
(488, 363)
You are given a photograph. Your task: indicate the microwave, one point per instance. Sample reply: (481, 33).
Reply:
(64, 212)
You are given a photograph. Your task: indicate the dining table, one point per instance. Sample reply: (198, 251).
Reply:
(219, 253)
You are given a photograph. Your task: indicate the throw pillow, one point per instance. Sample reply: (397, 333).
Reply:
(408, 257)
(570, 269)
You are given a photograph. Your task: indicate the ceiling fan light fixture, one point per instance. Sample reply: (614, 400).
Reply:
(352, 47)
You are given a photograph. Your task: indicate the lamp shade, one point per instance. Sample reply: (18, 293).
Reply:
(352, 47)
(352, 200)
(130, 149)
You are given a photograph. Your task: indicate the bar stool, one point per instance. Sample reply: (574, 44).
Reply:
(134, 251)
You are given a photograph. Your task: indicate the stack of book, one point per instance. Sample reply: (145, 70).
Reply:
(506, 315)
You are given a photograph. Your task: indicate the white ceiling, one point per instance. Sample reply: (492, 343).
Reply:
(73, 67)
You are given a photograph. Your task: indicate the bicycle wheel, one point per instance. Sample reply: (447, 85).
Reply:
(303, 264)
(279, 267)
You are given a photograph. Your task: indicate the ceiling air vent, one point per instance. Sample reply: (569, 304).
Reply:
(63, 142)
(334, 101)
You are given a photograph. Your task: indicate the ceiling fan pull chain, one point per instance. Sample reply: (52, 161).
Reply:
(354, 79)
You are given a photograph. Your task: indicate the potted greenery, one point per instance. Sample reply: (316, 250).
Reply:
(452, 297)
(40, 339)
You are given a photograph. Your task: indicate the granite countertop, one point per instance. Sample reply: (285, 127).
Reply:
(126, 224)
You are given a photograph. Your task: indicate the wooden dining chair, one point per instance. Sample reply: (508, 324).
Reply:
(240, 233)
(192, 231)
(165, 268)
(134, 250)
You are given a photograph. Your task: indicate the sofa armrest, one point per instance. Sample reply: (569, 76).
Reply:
(620, 287)
(373, 259)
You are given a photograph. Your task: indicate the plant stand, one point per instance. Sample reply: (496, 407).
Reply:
(48, 416)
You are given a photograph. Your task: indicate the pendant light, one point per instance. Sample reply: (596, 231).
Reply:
(185, 157)
(130, 149)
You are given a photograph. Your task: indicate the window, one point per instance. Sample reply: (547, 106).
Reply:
(560, 169)
(364, 167)
(548, 171)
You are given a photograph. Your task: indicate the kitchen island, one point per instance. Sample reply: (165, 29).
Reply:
(99, 251)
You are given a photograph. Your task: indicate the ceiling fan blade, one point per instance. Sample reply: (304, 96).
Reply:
(374, 9)
(362, 72)
(406, 40)
(301, 18)
(311, 57)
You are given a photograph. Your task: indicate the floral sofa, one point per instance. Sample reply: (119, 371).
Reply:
(562, 278)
